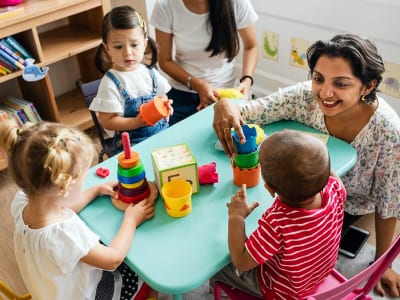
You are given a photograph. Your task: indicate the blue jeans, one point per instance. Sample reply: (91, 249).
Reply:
(184, 105)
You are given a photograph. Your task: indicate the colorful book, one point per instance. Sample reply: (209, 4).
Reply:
(18, 110)
(18, 47)
(5, 67)
(11, 60)
(27, 105)
(36, 113)
(7, 64)
(10, 52)
(11, 47)
(12, 114)
(22, 104)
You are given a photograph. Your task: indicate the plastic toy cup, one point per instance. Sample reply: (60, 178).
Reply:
(177, 195)
(153, 111)
(250, 133)
(248, 176)
(248, 160)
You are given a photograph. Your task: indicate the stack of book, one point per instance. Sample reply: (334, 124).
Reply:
(13, 55)
(20, 110)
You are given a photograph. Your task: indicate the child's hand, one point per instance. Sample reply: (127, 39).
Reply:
(168, 104)
(108, 189)
(238, 205)
(139, 212)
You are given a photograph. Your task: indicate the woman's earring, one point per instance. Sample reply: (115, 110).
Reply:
(363, 98)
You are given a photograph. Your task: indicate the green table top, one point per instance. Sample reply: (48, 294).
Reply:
(177, 255)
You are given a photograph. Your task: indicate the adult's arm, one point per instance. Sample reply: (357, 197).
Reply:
(174, 70)
(250, 56)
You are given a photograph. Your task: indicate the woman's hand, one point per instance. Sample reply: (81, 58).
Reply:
(390, 283)
(227, 116)
(205, 91)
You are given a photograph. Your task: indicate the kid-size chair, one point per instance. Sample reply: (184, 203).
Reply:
(335, 286)
(89, 91)
(7, 292)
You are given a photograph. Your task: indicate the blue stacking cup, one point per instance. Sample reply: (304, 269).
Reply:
(251, 135)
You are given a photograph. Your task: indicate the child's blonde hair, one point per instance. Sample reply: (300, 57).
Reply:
(45, 155)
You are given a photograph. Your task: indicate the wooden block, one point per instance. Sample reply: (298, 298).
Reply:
(175, 162)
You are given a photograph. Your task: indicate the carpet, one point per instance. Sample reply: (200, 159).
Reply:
(347, 266)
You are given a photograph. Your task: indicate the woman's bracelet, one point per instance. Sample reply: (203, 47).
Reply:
(247, 76)
(189, 82)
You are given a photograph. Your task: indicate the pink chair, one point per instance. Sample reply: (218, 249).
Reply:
(335, 286)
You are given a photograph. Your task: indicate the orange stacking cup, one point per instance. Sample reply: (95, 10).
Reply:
(248, 176)
(153, 111)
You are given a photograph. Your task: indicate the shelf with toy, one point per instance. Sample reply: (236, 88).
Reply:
(53, 32)
(26, 40)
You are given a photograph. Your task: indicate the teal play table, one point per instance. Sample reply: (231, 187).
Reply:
(177, 255)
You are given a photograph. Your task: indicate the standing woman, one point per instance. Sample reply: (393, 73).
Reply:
(198, 41)
(341, 100)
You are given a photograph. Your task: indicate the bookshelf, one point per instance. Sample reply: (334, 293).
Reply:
(53, 31)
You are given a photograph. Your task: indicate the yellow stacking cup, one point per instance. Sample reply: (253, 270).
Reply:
(177, 195)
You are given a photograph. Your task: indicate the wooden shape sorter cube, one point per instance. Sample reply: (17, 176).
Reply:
(175, 162)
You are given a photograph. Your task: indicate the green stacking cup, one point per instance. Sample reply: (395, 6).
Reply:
(248, 160)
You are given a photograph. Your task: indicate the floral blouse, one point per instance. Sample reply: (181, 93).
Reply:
(374, 180)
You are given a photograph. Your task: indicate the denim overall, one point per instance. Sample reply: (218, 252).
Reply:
(132, 110)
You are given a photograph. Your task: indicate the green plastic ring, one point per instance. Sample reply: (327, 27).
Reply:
(131, 172)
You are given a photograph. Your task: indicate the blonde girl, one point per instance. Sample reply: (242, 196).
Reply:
(58, 256)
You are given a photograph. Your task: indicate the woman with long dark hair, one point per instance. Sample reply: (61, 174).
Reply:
(198, 42)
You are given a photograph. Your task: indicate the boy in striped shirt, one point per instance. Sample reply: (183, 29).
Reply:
(295, 245)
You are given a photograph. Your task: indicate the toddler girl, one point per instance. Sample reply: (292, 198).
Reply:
(128, 82)
(58, 256)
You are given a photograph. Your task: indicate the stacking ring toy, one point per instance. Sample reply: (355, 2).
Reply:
(132, 185)
(130, 180)
(131, 172)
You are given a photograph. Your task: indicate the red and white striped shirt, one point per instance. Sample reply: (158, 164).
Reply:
(297, 248)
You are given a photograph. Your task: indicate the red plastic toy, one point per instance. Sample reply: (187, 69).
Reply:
(102, 172)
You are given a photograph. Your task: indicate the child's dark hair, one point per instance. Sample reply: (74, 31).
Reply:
(45, 156)
(224, 34)
(366, 63)
(295, 164)
(123, 17)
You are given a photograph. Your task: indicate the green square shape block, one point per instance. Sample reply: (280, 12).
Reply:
(175, 162)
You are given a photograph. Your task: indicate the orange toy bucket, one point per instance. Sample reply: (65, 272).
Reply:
(248, 176)
(153, 111)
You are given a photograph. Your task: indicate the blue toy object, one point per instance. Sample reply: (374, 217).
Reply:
(32, 72)
(250, 134)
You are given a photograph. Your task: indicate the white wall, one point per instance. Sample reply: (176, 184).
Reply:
(315, 19)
